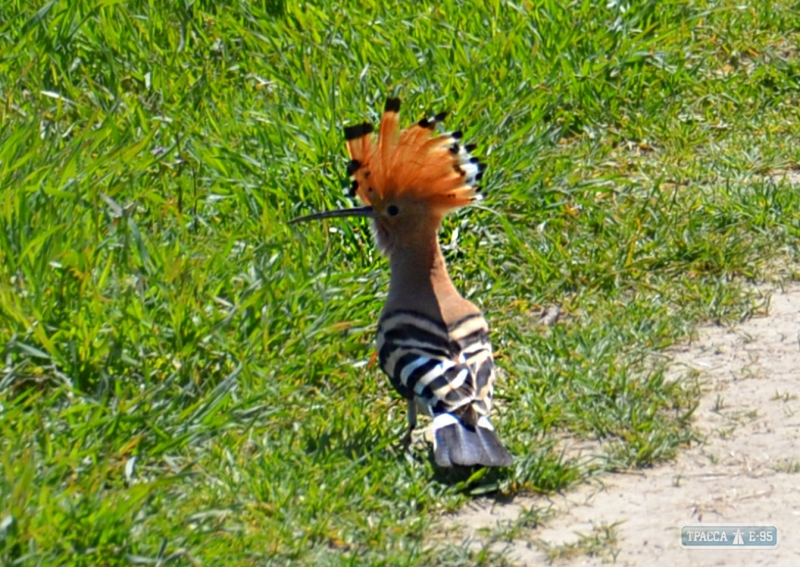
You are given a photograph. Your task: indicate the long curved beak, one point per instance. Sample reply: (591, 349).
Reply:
(354, 212)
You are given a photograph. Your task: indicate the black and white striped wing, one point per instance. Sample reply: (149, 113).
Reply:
(443, 368)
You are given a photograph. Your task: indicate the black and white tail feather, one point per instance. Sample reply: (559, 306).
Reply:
(447, 372)
(455, 443)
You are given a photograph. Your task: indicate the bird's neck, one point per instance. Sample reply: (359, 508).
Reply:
(419, 280)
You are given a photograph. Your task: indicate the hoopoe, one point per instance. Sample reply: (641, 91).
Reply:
(432, 343)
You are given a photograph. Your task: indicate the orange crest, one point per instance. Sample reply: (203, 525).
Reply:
(415, 164)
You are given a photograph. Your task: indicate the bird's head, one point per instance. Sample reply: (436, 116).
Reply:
(409, 180)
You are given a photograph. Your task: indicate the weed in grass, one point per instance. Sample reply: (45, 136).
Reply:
(784, 396)
(601, 542)
(788, 466)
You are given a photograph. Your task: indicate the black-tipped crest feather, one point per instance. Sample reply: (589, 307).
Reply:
(357, 131)
(392, 105)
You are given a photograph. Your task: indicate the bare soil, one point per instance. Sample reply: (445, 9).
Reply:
(746, 469)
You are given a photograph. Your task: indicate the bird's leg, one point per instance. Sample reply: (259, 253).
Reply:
(412, 423)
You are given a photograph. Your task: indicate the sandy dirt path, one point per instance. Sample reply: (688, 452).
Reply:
(745, 470)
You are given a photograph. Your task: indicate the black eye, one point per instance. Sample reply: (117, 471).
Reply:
(392, 210)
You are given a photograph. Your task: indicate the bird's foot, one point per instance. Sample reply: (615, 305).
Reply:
(406, 440)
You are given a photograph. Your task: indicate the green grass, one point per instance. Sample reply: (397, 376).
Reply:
(601, 542)
(185, 379)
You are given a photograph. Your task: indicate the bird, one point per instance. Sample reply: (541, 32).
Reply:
(431, 342)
